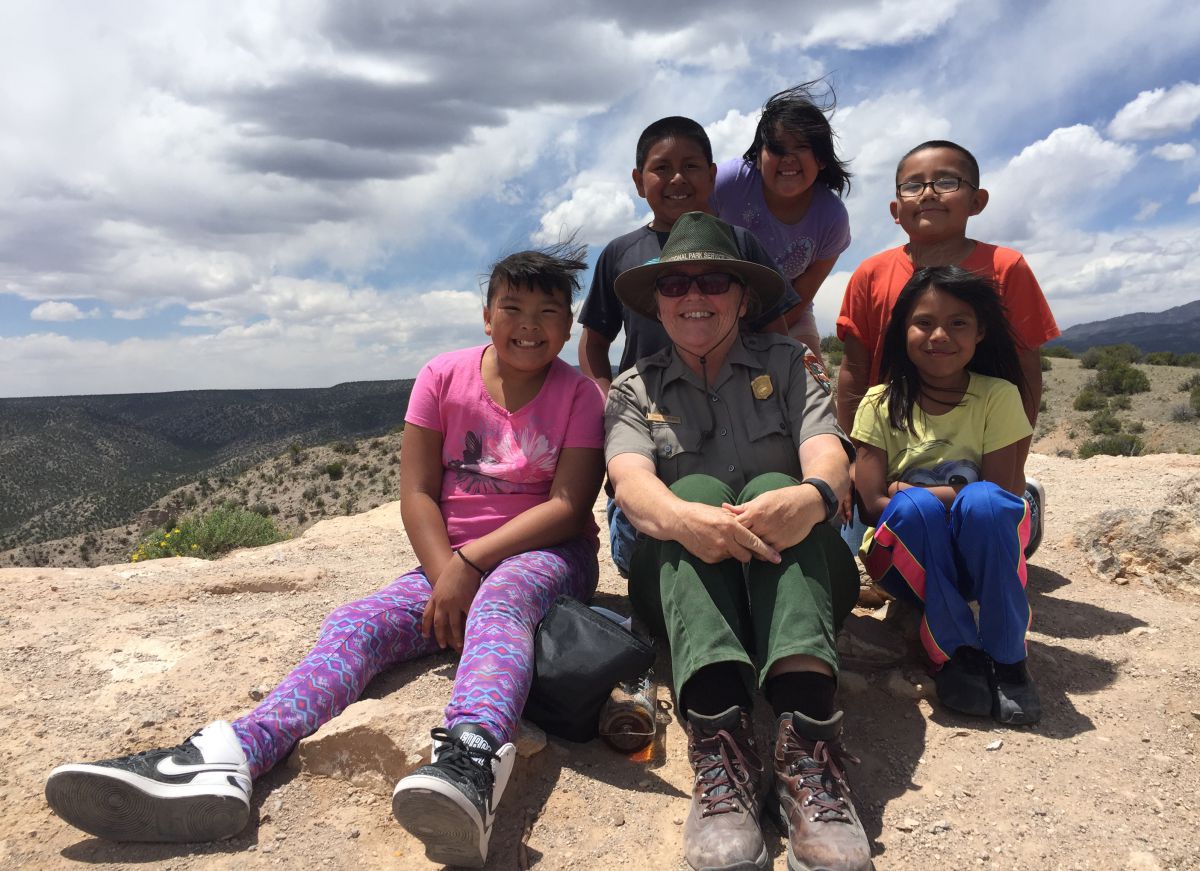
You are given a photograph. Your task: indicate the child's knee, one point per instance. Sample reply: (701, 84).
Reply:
(916, 501)
(986, 502)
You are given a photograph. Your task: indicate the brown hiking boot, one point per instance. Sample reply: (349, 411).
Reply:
(722, 831)
(823, 827)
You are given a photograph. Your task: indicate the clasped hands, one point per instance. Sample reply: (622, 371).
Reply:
(761, 528)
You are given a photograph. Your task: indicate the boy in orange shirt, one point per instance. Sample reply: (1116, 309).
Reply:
(937, 192)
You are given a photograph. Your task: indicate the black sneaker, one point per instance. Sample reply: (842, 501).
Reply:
(1035, 496)
(198, 791)
(963, 684)
(450, 804)
(1015, 699)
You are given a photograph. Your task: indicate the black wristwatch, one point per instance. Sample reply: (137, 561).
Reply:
(827, 496)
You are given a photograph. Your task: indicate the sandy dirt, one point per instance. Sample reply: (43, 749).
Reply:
(105, 661)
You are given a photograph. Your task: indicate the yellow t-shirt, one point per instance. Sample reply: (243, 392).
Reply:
(946, 447)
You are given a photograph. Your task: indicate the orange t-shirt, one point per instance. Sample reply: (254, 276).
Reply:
(876, 284)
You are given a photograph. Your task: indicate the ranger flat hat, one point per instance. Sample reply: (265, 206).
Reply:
(699, 238)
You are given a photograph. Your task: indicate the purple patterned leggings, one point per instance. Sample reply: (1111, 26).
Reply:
(363, 638)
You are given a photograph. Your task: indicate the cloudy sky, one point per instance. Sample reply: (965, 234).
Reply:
(229, 194)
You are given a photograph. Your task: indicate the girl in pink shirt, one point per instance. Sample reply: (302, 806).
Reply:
(500, 468)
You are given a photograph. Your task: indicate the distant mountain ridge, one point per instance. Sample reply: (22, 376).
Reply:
(1176, 329)
(72, 463)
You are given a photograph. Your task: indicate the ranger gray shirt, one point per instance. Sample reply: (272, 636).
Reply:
(764, 403)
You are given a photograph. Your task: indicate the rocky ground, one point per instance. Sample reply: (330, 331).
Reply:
(99, 662)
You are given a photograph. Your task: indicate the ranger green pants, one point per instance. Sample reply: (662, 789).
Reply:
(753, 614)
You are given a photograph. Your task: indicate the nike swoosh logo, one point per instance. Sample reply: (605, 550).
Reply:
(170, 768)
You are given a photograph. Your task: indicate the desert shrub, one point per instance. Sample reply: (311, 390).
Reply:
(1136, 427)
(1160, 358)
(1043, 406)
(335, 470)
(1120, 444)
(309, 494)
(1120, 402)
(1104, 422)
(1058, 351)
(833, 350)
(1189, 384)
(1089, 399)
(208, 535)
(1194, 399)
(189, 499)
(1064, 452)
(263, 509)
(347, 447)
(1191, 358)
(1045, 364)
(1121, 378)
(1104, 356)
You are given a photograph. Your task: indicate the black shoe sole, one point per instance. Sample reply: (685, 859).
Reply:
(115, 810)
(437, 821)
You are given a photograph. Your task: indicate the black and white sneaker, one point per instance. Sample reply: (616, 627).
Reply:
(1035, 495)
(450, 804)
(198, 791)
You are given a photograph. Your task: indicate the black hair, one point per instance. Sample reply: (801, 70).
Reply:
(995, 355)
(972, 163)
(796, 111)
(551, 269)
(672, 127)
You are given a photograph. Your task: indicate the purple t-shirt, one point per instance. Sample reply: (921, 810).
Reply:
(495, 463)
(823, 232)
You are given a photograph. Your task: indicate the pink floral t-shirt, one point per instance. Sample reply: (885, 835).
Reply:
(495, 463)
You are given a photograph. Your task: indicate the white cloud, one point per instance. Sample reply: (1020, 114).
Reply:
(598, 210)
(1052, 183)
(1148, 210)
(860, 25)
(1194, 198)
(1118, 273)
(1158, 112)
(60, 311)
(1173, 151)
(335, 335)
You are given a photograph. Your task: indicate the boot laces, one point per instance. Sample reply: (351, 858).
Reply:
(821, 769)
(726, 776)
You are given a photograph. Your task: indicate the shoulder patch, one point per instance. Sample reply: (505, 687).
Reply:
(813, 365)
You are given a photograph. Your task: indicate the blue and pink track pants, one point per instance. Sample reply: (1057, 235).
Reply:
(363, 638)
(975, 554)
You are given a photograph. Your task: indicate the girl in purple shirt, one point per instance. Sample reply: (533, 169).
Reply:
(500, 468)
(786, 190)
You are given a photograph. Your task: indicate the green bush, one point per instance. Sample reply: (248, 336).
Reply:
(1194, 399)
(1121, 378)
(335, 470)
(1121, 444)
(1182, 414)
(1045, 364)
(833, 350)
(1104, 422)
(1137, 427)
(1058, 351)
(1189, 384)
(1161, 358)
(1103, 356)
(208, 535)
(347, 447)
(1120, 402)
(1089, 399)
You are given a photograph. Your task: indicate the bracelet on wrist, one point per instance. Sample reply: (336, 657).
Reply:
(463, 557)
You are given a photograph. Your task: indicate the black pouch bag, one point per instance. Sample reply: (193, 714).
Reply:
(579, 656)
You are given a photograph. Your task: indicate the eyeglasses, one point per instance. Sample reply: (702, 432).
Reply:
(710, 283)
(948, 185)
